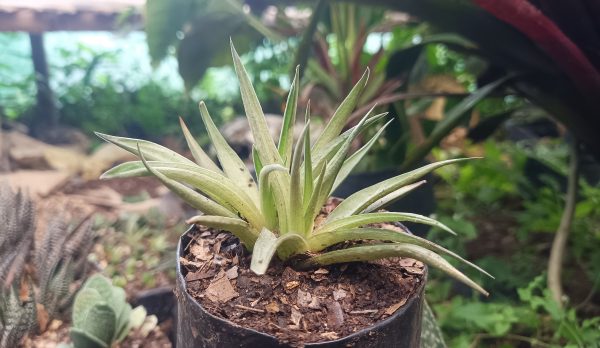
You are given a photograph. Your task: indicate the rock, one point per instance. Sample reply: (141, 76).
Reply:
(40, 183)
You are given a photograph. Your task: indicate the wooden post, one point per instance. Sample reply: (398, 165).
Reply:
(46, 115)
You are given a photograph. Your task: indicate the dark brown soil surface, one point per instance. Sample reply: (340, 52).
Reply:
(295, 306)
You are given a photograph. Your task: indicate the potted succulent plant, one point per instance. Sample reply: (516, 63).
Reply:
(277, 261)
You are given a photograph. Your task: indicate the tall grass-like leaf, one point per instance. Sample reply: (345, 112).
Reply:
(289, 120)
(268, 205)
(265, 146)
(323, 240)
(296, 192)
(256, 160)
(380, 251)
(340, 117)
(233, 166)
(154, 152)
(356, 157)
(308, 171)
(362, 199)
(238, 227)
(373, 218)
(392, 197)
(313, 207)
(200, 156)
(190, 196)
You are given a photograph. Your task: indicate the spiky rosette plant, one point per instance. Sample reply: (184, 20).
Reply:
(277, 214)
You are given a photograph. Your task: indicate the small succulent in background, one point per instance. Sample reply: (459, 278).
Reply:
(280, 214)
(17, 317)
(101, 315)
(17, 232)
(55, 257)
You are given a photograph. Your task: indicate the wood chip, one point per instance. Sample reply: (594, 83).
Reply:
(339, 294)
(321, 271)
(335, 315)
(296, 317)
(201, 251)
(272, 307)
(232, 273)
(330, 335)
(393, 308)
(291, 285)
(187, 262)
(405, 262)
(303, 298)
(195, 276)
(414, 270)
(220, 290)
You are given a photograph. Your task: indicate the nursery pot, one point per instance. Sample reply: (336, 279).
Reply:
(196, 327)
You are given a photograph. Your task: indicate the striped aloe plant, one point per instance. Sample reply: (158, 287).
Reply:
(276, 214)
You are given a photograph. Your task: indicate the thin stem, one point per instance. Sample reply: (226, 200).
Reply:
(562, 234)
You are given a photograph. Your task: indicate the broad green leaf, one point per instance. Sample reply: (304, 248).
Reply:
(268, 205)
(190, 196)
(100, 322)
(84, 301)
(200, 156)
(322, 240)
(296, 192)
(81, 338)
(373, 218)
(153, 152)
(340, 117)
(164, 18)
(356, 157)
(233, 166)
(392, 197)
(289, 120)
(268, 243)
(362, 199)
(237, 227)
(380, 251)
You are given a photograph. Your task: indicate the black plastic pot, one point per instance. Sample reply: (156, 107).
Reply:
(159, 302)
(198, 328)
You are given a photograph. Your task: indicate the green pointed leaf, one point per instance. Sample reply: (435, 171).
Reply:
(392, 197)
(322, 240)
(257, 163)
(154, 152)
(190, 196)
(237, 227)
(380, 251)
(296, 192)
(200, 156)
(263, 142)
(289, 120)
(233, 166)
(313, 208)
(374, 218)
(266, 194)
(341, 115)
(268, 243)
(308, 172)
(218, 187)
(356, 157)
(362, 199)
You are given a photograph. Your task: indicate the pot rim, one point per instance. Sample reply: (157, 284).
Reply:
(420, 291)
